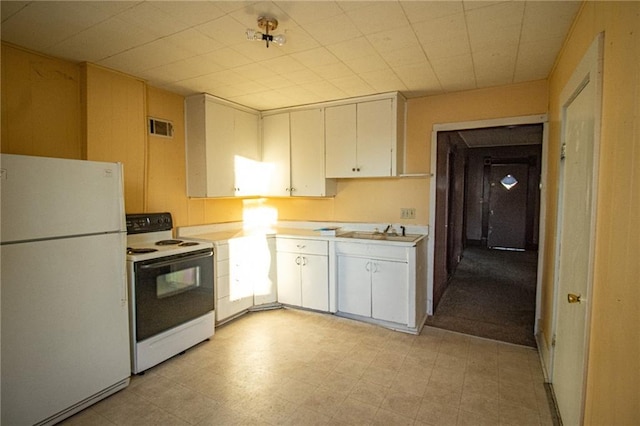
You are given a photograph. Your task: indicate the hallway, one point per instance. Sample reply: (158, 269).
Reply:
(492, 294)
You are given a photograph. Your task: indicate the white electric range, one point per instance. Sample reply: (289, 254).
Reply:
(171, 291)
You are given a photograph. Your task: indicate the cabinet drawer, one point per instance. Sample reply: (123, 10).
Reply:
(376, 251)
(222, 286)
(296, 245)
(222, 268)
(226, 307)
(221, 251)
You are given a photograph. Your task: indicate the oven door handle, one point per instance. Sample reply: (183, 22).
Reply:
(173, 261)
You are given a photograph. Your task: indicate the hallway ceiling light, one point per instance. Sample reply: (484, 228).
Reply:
(266, 24)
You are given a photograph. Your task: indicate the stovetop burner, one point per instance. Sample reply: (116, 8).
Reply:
(168, 242)
(150, 236)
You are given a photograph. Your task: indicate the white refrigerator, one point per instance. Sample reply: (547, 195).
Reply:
(64, 314)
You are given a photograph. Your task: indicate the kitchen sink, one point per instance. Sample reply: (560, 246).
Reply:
(380, 236)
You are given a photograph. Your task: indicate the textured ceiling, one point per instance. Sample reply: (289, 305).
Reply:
(334, 50)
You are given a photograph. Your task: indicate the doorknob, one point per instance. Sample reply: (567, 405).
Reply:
(574, 298)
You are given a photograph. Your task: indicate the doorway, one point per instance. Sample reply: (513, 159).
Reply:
(486, 226)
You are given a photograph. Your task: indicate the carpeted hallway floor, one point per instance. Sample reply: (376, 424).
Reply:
(492, 294)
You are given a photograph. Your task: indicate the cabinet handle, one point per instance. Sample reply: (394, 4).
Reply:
(304, 261)
(298, 260)
(367, 266)
(300, 246)
(375, 267)
(292, 189)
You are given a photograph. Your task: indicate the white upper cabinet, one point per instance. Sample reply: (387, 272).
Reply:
(276, 155)
(307, 155)
(293, 154)
(340, 141)
(365, 138)
(222, 148)
(232, 151)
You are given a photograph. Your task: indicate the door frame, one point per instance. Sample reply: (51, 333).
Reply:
(468, 125)
(589, 69)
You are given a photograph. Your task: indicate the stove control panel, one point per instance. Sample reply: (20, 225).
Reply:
(139, 223)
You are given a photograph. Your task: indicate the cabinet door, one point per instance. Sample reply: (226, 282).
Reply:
(354, 285)
(315, 282)
(246, 156)
(262, 261)
(340, 141)
(375, 137)
(307, 153)
(390, 291)
(242, 273)
(289, 291)
(218, 172)
(222, 149)
(276, 155)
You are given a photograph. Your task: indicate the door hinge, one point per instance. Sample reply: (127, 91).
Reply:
(553, 341)
(563, 151)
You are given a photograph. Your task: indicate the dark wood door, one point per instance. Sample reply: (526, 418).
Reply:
(508, 206)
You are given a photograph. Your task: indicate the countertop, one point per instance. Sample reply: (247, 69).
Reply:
(220, 233)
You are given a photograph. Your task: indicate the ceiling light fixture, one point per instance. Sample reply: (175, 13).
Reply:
(266, 24)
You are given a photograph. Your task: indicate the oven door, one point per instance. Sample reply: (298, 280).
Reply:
(172, 290)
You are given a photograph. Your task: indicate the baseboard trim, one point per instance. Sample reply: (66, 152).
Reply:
(544, 352)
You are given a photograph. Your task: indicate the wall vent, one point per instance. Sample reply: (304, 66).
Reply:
(158, 127)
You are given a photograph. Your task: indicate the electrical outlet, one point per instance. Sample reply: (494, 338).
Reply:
(407, 213)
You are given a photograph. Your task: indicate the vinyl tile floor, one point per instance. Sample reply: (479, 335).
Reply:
(293, 367)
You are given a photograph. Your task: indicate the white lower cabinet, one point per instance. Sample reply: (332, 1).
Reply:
(232, 297)
(354, 285)
(263, 261)
(374, 281)
(245, 275)
(303, 273)
(389, 291)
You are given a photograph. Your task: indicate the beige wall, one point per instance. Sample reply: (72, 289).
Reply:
(40, 105)
(483, 104)
(114, 127)
(613, 376)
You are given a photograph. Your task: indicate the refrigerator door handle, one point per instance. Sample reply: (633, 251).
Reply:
(124, 300)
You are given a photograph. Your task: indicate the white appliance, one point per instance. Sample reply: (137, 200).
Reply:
(171, 290)
(64, 321)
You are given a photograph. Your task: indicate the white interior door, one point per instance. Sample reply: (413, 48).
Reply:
(576, 220)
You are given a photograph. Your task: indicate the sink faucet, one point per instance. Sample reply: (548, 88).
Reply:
(393, 232)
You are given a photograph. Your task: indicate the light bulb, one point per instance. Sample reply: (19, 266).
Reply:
(280, 39)
(254, 35)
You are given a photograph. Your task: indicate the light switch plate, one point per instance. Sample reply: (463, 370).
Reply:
(407, 213)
